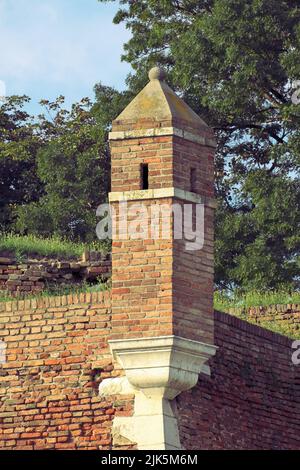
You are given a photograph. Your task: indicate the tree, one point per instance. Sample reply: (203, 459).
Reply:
(74, 166)
(19, 144)
(238, 75)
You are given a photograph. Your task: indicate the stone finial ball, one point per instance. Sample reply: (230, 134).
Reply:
(157, 73)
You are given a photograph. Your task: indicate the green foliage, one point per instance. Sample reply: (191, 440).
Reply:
(223, 301)
(281, 328)
(260, 245)
(74, 167)
(19, 144)
(109, 103)
(238, 76)
(48, 247)
(5, 296)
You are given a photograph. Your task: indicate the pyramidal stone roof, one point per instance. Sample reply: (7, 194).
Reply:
(158, 102)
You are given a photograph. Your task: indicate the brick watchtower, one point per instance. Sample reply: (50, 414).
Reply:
(162, 256)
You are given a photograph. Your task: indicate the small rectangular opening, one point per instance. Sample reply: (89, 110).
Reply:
(193, 180)
(144, 176)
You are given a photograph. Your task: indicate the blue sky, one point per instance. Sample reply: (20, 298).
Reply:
(53, 47)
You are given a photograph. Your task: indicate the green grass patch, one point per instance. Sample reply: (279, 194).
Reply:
(21, 246)
(224, 301)
(5, 296)
(282, 328)
(238, 305)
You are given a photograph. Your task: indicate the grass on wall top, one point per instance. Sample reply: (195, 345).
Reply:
(48, 247)
(58, 291)
(224, 302)
(221, 302)
(239, 305)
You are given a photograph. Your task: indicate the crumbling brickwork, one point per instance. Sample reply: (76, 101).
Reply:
(285, 317)
(32, 276)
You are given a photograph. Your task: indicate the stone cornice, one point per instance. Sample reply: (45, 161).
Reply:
(163, 365)
(160, 193)
(160, 132)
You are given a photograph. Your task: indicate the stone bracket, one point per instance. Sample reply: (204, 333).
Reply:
(153, 424)
(157, 370)
(163, 365)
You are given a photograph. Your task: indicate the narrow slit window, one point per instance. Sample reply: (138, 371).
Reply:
(144, 176)
(193, 180)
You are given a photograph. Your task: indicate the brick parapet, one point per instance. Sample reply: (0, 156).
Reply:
(57, 354)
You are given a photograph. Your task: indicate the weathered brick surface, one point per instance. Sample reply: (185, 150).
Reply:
(158, 286)
(57, 354)
(170, 160)
(151, 123)
(251, 400)
(285, 316)
(142, 285)
(192, 287)
(187, 155)
(128, 155)
(34, 276)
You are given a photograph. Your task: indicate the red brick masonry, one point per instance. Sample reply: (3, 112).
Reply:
(251, 400)
(57, 355)
(34, 276)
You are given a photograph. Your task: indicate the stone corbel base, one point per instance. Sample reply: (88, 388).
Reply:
(157, 370)
(153, 425)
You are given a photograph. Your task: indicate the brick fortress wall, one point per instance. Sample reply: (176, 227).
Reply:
(32, 276)
(252, 399)
(285, 316)
(57, 355)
